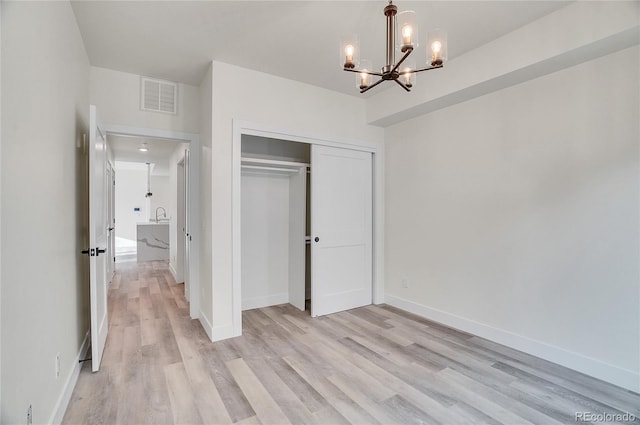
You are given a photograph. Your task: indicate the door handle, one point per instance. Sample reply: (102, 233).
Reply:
(317, 239)
(111, 228)
(90, 252)
(100, 251)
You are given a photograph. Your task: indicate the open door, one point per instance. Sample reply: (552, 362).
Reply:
(341, 229)
(98, 238)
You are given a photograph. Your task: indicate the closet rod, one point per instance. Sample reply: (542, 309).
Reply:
(257, 167)
(262, 161)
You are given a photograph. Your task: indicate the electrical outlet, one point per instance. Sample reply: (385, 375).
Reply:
(29, 415)
(58, 365)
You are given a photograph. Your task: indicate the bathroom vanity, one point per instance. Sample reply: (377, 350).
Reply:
(153, 241)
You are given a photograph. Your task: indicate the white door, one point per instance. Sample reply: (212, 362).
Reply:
(98, 238)
(341, 229)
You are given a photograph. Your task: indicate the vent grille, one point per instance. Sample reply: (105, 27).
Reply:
(158, 95)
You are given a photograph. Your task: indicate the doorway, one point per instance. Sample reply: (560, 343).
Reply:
(168, 156)
(145, 199)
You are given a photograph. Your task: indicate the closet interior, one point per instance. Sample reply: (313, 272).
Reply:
(275, 222)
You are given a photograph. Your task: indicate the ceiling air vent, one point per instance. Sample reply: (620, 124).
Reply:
(158, 95)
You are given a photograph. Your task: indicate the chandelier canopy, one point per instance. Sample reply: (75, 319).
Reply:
(402, 35)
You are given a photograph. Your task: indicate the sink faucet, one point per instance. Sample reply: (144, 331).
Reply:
(164, 213)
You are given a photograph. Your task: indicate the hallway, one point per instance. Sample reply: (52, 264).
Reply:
(374, 364)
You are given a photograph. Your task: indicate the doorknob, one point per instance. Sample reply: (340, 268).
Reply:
(317, 239)
(111, 228)
(90, 252)
(100, 251)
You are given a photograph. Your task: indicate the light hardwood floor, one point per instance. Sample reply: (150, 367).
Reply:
(375, 364)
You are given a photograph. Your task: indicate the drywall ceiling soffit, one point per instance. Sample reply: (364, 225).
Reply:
(298, 40)
(125, 149)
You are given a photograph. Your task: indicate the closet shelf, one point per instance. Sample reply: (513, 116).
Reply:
(262, 162)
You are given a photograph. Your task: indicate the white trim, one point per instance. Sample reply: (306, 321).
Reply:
(65, 397)
(241, 127)
(194, 209)
(173, 272)
(265, 301)
(624, 378)
(206, 324)
(220, 332)
(126, 130)
(216, 333)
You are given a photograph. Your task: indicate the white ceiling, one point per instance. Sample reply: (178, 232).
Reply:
(299, 40)
(125, 150)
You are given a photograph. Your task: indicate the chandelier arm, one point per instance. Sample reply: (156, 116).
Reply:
(371, 86)
(402, 85)
(421, 69)
(359, 71)
(396, 66)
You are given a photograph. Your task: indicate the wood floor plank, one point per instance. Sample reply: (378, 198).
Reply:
(181, 395)
(263, 404)
(521, 407)
(374, 407)
(206, 395)
(346, 407)
(407, 413)
(157, 404)
(233, 398)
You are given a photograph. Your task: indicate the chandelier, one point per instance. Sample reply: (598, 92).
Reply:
(405, 40)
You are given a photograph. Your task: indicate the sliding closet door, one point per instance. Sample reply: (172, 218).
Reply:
(341, 229)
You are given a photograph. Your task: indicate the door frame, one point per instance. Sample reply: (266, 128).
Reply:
(241, 128)
(194, 210)
(181, 222)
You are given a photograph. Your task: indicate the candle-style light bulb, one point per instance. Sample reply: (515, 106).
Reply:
(407, 31)
(407, 77)
(348, 52)
(436, 48)
(364, 80)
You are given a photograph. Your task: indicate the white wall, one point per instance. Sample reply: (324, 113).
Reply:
(45, 102)
(131, 186)
(117, 97)
(515, 216)
(265, 239)
(252, 96)
(162, 196)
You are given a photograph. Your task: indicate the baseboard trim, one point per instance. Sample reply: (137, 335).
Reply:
(265, 301)
(222, 332)
(206, 324)
(65, 397)
(621, 377)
